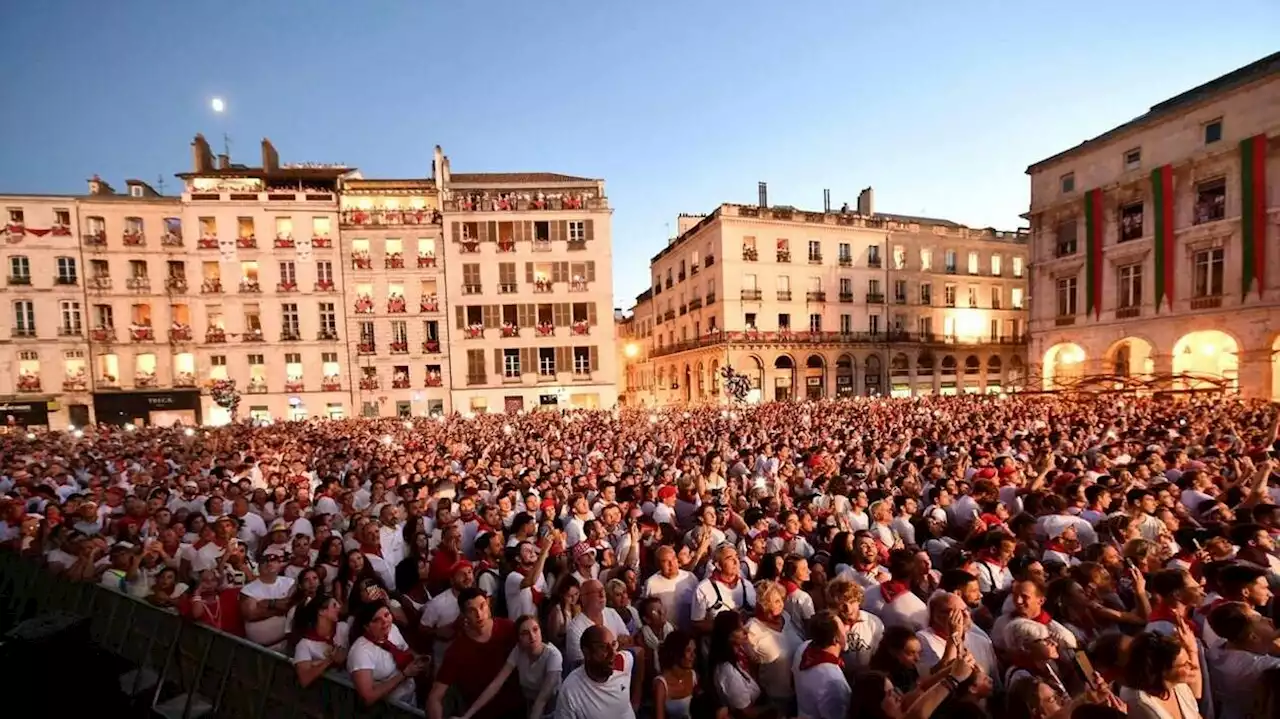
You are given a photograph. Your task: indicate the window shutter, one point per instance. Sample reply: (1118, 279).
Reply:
(560, 314)
(557, 230)
(497, 361)
(589, 230)
(564, 359)
(490, 315)
(461, 313)
(457, 231)
(556, 275)
(528, 272)
(591, 314)
(591, 271)
(522, 316)
(564, 272)
(594, 353)
(520, 231)
(489, 231)
(528, 363)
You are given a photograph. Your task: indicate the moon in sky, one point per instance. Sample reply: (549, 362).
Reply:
(218, 105)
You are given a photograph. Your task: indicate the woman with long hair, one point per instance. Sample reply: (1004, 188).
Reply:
(562, 608)
(875, 695)
(329, 559)
(317, 638)
(897, 656)
(732, 669)
(674, 687)
(380, 661)
(1162, 678)
(354, 567)
(538, 665)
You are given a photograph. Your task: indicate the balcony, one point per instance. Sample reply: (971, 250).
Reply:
(180, 333)
(361, 261)
(141, 284)
(75, 384)
(680, 277)
(472, 289)
(211, 287)
(215, 336)
(103, 334)
(497, 201)
(145, 380)
(207, 242)
(1205, 303)
(784, 295)
(393, 261)
(750, 254)
(322, 242)
(20, 280)
(325, 286)
(542, 245)
(250, 287)
(875, 298)
(70, 331)
(694, 269)
(576, 245)
(133, 238)
(752, 295)
(99, 239)
(581, 328)
(470, 245)
(542, 286)
(327, 335)
(397, 305)
(142, 333)
(846, 297)
(426, 260)
(257, 385)
(815, 259)
(171, 239)
(684, 310)
(510, 330)
(28, 383)
(1064, 320)
(107, 381)
(429, 304)
(434, 380)
(902, 300)
(668, 316)
(431, 346)
(695, 304)
(874, 263)
(390, 218)
(176, 285)
(253, 335)
(474, 331)
(400, 382)
(507, 288)
(66, 280)
(291, 334)
(1125, 313)
(286, 287)
(363, 305)
(400, 348)
(294, 384)
(711, 298)
(283, 242)
(331, 383)
(59, 230)
(366, 348)
(711, 260)
(506, 246)
(545, 329)
(369, 383)
(845, 261)
(247, 242)
(99, 283)
(783, 255)
(816, 296)
(184, 379)
(24, 332)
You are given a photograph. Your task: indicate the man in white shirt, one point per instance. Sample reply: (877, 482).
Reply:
(441, 612)
(893, 601)
(594, 613)
(725, 589)
(664, 512)
(948, 615)
(1028, 603)
(265, 601)
(603, 686)
(391, 537)
(672, 586)
(822, 691)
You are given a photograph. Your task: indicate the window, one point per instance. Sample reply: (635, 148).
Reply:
(70, 316)
(1066, 239)
(103, 316)
(845, 253)
(924, 325)
(784, 321)
(577, 231)
(1066, 296)
(1211, 201)
(815, 251)
(846, 324)
(1207, 271)
(996, 265)
(289, 319)
(873, 256)
(995, 330)
(949, 295)
(24, 317)
(926, 259)
(973, 263)
(873, 324)
(328, 320)
(547, 361)
(1129, 281)
(926, 293)
(997, 297)
(949, 260)
(471, 279)
(900, 291)
(1212, 131)
(1017, 267)
(400, 331)
(973, 296)
(1133, 159)
(846, 286)
(511, 363)
(873, 289)
(1015, 298)
(1068, 182)
(324, 271)
(815, 323)
(62, 218)
(288, 273)
(1131, 221)
(66, 270)
(749, 319)
(899, 257)
(366, 333)
(20, 268)
(138, 269)
(582, 360)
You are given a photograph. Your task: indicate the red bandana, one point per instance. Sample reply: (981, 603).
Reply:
(893, 589)
(814, 656)
(315, 636)
(1042, 618)
(790, 586)
(402, 657)
(1057, 546)
(720, 578)
(990, 558)
(374, 549)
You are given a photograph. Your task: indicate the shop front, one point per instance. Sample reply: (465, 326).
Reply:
(24, 413)
(162, 408)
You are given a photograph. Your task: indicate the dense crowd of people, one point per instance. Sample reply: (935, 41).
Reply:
(1024, 557)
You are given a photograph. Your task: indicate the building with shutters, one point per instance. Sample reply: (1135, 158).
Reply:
(1151, 268)
(529, 290)
(827, 304)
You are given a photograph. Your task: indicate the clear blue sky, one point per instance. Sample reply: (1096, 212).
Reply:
(677, 105)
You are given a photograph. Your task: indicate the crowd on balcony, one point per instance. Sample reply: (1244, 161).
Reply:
(486, 201)
(1033, 557)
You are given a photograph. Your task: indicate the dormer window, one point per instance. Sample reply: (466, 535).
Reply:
(135, 190)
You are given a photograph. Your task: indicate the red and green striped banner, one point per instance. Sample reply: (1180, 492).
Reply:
(1162, 208)
(1093, 252)
(1253, 212)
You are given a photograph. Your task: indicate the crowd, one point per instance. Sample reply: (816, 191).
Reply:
(1023, 557)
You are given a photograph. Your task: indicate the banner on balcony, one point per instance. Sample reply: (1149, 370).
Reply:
(1162, 208)
(1253, 213)
(1093, 252)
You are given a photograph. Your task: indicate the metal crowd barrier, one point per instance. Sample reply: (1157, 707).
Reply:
(182, 669)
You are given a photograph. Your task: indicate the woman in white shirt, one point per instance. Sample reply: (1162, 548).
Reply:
(730, 668)
(380, 661)
(1237, 668)
(538, 665)
(319, 638)
(1162, 676)
(773, 639)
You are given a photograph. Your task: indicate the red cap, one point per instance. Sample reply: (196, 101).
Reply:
(986, 473)
(460, 564)
(582, 548)
(548, 503)
(666, 491)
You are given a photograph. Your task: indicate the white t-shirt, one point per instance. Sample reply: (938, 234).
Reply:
(441, 611)
(676, 595)
(520, 600)
(309, 650)
(583, 698)
(773, 649)
(822, 692)
(932, 647)
(736, 687)
(534, 673)
(706, 604)
(268, 632)
(906, 609)
(861, 640)
(365, 655)
(579, 624)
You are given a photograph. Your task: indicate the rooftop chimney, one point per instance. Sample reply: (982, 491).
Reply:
(201, 155)
(270, 158)
(826, 200)
(444, 173)
(224, 161)
(866, 202)
(437, 165)
(764, 194)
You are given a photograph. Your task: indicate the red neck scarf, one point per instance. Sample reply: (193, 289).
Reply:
(720, 578)
(534, 591)
(374, 549)
(814, 656)
(402, 657)
(893, 589)
(315, 636)
(991, 558)
(1164, 613)
(1057, 546)
(790, 586)
(784, 535)
(1041, 618)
